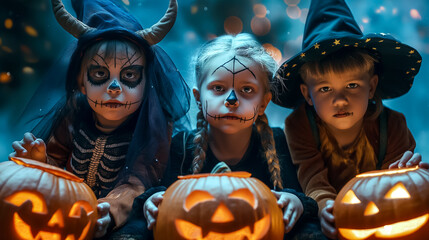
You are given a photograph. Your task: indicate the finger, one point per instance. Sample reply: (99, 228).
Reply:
(405, 157)
(283, 201)
(276, 194)
(38, 150)
(19, 149)
(150, 220)
(293, 219)
(328, 230)
(157, 199)
(327, 216)
(103, 208)
(394, 165)
(424, 165)
(28, 138)
(415, 160)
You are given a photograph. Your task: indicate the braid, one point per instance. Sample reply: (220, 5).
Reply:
(201, 143)
(269, 148)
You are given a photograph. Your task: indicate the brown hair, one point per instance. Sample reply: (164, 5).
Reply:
(347, 59)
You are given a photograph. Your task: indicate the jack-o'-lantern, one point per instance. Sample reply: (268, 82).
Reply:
(219, 206)
(40, 201)
(384, 204)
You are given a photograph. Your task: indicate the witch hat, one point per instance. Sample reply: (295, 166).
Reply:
(330, 26)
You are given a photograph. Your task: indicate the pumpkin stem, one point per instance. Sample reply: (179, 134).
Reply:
(221, 167)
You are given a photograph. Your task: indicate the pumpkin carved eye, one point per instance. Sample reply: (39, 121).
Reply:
(245, 195)
(397, 191)
(350, 198)
(197, 197)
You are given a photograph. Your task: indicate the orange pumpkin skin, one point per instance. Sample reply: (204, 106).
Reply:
(376, 204)
(40, 201)
(219, 206)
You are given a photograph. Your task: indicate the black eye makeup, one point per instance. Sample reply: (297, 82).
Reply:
(132, 76)
(98, 75)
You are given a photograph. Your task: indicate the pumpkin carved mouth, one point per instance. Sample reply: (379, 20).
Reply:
(192, 231)
(398, 229)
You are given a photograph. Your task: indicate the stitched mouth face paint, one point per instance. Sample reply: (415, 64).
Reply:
(231, 92)
(232, 116)
(112, 104)
(114, 81)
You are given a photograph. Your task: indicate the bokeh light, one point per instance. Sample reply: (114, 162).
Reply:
(5, 77)
(415, 14)
(292, 2)
(233, 25)
(194, 9)
(28, 70)
(31, 31)
(365, 20)
(126, 2)
(304, 13)
(260, 10)
(6, 49)
(273, 51)
(260, 26)
(293, 12)
(8, 23)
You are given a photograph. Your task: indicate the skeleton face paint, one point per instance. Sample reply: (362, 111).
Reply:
(232, 93)
(114, 85)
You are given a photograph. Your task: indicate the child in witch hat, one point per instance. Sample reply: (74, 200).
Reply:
(339, 127)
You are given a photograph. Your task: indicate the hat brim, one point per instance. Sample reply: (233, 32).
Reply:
(399, 64)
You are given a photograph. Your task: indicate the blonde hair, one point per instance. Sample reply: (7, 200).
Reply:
(347, 59)
(246, 46)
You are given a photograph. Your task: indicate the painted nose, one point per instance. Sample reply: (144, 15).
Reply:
(114, 87)
(231, 100)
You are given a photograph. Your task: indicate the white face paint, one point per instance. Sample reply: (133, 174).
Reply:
(232, 93)
(114, 86)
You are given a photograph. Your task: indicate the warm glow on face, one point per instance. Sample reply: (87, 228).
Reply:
(395, 230)
(371, 209)
(191, 231)
(350, 198)
(398, 191)
(384, 172)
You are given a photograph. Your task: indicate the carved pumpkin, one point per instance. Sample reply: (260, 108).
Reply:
(385, 204)
(40, 201)
(219, 206)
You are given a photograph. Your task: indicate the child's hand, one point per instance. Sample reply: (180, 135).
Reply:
(409, 160)
(150, 208)
(103, 220)
(30, 147)
(292, 208)
(327, 220)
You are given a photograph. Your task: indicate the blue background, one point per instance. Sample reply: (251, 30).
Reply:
(31, 40)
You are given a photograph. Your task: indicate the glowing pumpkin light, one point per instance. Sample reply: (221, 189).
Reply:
(219, 206)
(384, 204)
(40, 201)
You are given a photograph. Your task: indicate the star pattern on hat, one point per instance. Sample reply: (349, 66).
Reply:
(411, 52)
(367, 40)
(316, 46)
(336, 42)
(302, 55)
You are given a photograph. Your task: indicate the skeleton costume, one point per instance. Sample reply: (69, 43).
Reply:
(121, 164)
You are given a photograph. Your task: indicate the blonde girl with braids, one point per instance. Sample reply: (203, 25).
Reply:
(233, 89)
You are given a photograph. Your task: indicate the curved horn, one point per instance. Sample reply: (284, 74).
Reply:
(67, 21)
(157, 32)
